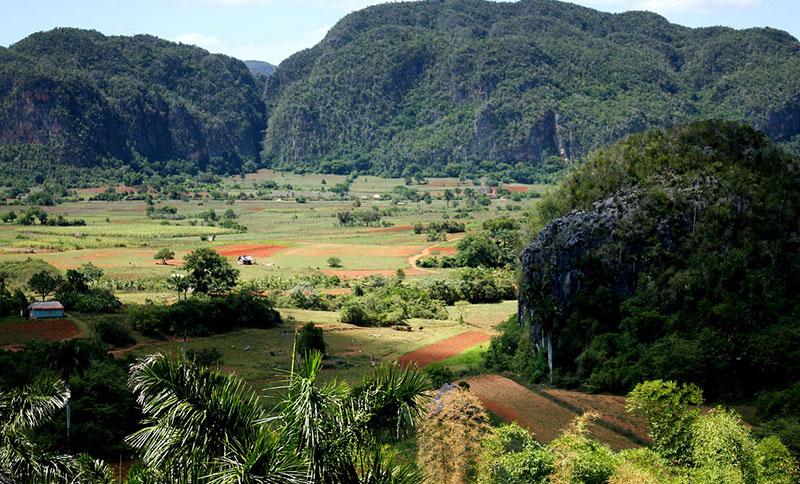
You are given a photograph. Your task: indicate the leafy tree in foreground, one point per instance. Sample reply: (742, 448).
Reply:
(209, 271)
(670, 410)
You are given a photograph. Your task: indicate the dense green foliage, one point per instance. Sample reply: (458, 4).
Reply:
(74, 100)
(203, 315)
(682, 244)
(517, 89)
(102, 407)
(390, 303)
(219, 430)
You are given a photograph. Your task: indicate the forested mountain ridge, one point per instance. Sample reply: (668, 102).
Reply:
(76, 98)
(260, 67)
(472, 86)
(450, 87)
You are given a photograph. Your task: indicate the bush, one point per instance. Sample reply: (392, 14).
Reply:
(310, 339)
(205, 314)
(205, 357)
(114, 333)
(438, 374)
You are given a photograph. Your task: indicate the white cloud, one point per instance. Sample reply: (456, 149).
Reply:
(339, 5)
(704, 7)
(696, 6)
(208, 42)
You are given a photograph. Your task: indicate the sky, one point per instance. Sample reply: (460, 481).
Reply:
(272, 30)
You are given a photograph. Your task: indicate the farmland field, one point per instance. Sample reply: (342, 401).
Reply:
(543, 417)
(288, 239)
(17, 333)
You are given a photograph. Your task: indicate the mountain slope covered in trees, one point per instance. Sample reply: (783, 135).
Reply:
(471, 86)
(78, 99)
(673, 255)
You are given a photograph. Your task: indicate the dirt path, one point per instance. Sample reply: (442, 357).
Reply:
(444, 349)
(545, 418)
(412, 261)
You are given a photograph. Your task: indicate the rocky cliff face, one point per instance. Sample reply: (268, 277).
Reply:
(672, 242)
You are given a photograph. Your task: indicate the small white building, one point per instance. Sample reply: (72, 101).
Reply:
(246, 260)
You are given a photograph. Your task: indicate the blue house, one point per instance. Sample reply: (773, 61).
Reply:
(49, 309)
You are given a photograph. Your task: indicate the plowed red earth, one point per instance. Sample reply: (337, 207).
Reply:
(610, 407)
(546, 419)
(256, 250)
(42, 329)
(444, 349)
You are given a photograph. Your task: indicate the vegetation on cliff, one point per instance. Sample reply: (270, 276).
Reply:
(74, 100)
(671, 255)
(514, 89)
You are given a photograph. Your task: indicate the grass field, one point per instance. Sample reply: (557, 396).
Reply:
(286, 238)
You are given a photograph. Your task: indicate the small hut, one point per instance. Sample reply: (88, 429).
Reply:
(246, 260)
(49, 309)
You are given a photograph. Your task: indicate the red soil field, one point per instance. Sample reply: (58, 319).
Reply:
(42, 329)
(546, 419)
(394, 229)
(611, 409)
(517, 189)
(325, 250)
(444, 349)
(95, 256)
(256, 250)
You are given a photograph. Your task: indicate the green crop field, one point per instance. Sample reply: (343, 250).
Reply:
(287, 239)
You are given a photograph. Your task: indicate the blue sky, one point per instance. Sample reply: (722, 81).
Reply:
(271, 30)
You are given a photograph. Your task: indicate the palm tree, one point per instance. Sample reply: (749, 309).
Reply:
(211, 428)
(205, 427)
(70, 357)
(22, 410)
(335, 426)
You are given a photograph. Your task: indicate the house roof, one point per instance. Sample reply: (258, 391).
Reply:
(46, 305)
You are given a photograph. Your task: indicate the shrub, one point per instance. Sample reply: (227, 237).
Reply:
(114, 333)
(205, 357)
(310, 338)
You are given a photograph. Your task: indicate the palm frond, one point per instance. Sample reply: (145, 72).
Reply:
(192, 420)
(395, 396)
(266, 461)
(383, 469)
(25, 408)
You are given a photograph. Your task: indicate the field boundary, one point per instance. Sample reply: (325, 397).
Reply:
(580, 411)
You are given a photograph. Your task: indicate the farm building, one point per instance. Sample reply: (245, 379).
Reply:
(246, 260)
(50, 309)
